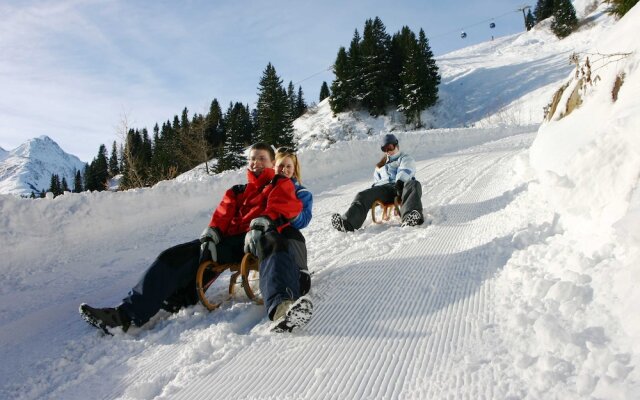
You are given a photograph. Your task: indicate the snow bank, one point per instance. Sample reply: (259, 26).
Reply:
(571, 302)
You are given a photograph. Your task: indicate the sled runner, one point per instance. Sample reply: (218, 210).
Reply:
(247, 269)
(382, 211)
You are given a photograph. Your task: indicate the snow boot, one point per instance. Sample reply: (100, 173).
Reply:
(413, 218)
(104, 318)
(340, 223)
(292, 314)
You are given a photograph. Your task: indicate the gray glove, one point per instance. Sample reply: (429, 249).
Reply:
(209, 238)
(258, 227)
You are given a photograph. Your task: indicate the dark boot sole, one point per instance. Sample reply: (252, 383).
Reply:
(86, 314)
(297, 316)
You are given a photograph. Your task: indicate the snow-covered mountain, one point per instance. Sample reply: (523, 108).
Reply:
(29, 167)
(524, 287)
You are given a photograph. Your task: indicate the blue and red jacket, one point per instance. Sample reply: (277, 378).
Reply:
(267, 195)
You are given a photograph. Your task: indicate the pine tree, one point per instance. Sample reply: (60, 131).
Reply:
(432, 80)
(237, 122)
(188, 151)
(620, 7)
(324, 91)
(347, 90)
(146, 153)
(114, 165)
(63, 185)
(87, 177)
(377, 93)
(99, 170)
(301, 106)
(247, 126)
(77, 183)
(401, 44)
(355, 71)
(529, 21)
(133, 169)
(274, 123)
(164, 164)
(544, 9)
(341, 96)
(55, 187)
(184, 121)
(214, 128)
(420, 80)
(293, 101)
(564, 18)
(200, 148)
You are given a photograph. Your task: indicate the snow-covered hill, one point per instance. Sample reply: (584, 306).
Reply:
(524, 287)
(28, 168)
(504, 82)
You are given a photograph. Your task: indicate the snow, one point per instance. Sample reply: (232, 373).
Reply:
(28, 168)
(523, 287)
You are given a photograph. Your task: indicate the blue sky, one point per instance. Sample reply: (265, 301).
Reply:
(77, 70)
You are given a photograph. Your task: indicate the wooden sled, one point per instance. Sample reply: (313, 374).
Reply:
(386, 210)
(248, 269)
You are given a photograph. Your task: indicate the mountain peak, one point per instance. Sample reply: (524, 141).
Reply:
(29, 167)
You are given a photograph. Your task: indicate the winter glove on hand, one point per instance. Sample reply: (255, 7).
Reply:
(210, 234)
(258, 227)
(399, 187)
(209, 238)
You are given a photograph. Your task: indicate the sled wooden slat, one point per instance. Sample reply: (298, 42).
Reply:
(247, 269)
(387, 209)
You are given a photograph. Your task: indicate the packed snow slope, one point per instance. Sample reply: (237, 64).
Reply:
(523, 287)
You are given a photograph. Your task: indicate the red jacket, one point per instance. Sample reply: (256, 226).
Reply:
(265, 195)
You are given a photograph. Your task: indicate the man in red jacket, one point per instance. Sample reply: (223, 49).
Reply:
(253, 217)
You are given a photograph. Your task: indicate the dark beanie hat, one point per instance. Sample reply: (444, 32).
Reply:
(389, 138)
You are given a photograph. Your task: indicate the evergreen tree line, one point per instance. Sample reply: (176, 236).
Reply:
(379, 71)
(563, 13)
(58, 186)
(185, 142)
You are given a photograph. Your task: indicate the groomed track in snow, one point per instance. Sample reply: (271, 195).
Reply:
(401, 312)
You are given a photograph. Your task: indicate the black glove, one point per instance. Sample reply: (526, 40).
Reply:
(258, 227)
(209, 238)
(399, 187)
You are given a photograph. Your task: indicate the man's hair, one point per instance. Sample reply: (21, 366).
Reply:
(264, 146)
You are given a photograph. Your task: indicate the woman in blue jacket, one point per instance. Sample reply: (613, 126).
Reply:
(287, 164)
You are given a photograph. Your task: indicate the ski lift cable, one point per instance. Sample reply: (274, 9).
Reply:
(330, 68)
(484, 21)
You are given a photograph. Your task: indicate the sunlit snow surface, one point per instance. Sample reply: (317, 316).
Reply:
(524, 286)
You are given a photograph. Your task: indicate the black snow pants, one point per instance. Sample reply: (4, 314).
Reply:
(170, 282)
(411, 200)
